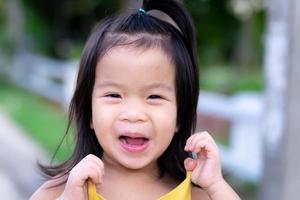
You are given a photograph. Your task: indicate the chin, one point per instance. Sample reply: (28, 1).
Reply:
(137, 164)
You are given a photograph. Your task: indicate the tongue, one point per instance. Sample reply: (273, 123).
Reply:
(135, 141)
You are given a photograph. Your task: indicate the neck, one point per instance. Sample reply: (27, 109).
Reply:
(146, 180)
(113, 169)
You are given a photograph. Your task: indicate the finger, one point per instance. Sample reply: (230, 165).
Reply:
(194, 142)
(84, 172)
(195, 136)
(94, 160)
(205, 134)
(189, 164)
(98, 162)
(189, 142)
(95, 174)
(204, 147)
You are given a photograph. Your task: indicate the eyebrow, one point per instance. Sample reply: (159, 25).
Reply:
(107, 84)
(163, 86)
(159, 85)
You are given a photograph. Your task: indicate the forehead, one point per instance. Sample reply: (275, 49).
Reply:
(135, 66)
(140, 53)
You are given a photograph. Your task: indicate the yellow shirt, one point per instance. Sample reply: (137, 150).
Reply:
(181, 192)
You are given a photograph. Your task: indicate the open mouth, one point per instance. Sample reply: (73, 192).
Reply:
(134, 144)
(133, 141)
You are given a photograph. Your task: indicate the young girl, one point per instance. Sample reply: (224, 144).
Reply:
(135, 109)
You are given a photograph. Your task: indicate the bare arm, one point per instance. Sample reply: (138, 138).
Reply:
(46, 192)
(222, 190)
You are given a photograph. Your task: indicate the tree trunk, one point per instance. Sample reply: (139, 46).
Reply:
(245, 51)
(13, 33)
(290, 158)
(281, 177)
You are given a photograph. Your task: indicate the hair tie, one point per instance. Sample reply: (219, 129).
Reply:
(142, 10)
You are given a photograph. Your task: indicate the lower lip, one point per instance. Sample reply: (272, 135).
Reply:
(134, 148)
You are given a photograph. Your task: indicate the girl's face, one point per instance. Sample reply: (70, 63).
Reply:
(134, 105)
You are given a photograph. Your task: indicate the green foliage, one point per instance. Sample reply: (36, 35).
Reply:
(55, 29)
(38, 31)
(45, 122)
(216, 27)
(6, 45)
(1, 13)
(60, 29)
(219, 30)
(260, 28)
(229, 80)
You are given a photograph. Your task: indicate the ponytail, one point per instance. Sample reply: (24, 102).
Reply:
(179, 14)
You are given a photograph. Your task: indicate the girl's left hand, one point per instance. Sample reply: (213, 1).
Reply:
(207, 167)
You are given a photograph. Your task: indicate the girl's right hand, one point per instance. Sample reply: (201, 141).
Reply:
(90, 167)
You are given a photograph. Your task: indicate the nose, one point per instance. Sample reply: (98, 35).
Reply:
(133, 110)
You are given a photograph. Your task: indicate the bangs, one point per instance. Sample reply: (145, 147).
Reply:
(138, 41)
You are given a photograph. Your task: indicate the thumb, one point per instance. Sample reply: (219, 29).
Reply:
(189, 164)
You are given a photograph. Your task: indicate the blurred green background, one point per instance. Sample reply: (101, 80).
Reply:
(229, 39)
(229, 44)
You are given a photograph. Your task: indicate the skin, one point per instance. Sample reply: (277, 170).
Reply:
(136, 93)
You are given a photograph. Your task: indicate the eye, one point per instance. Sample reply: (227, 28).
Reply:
(113, 95)
(155, 96)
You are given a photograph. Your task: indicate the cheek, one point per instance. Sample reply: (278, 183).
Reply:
(166, 121)
(102, 120)
(100, 117)
(166, 132)
(172, 116)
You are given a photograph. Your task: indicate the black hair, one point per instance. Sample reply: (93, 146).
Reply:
(142, 30)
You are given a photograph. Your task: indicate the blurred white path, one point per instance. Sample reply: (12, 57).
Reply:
(19, 175)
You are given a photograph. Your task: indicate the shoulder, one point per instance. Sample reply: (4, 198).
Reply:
(198, 193)
(48, 191)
